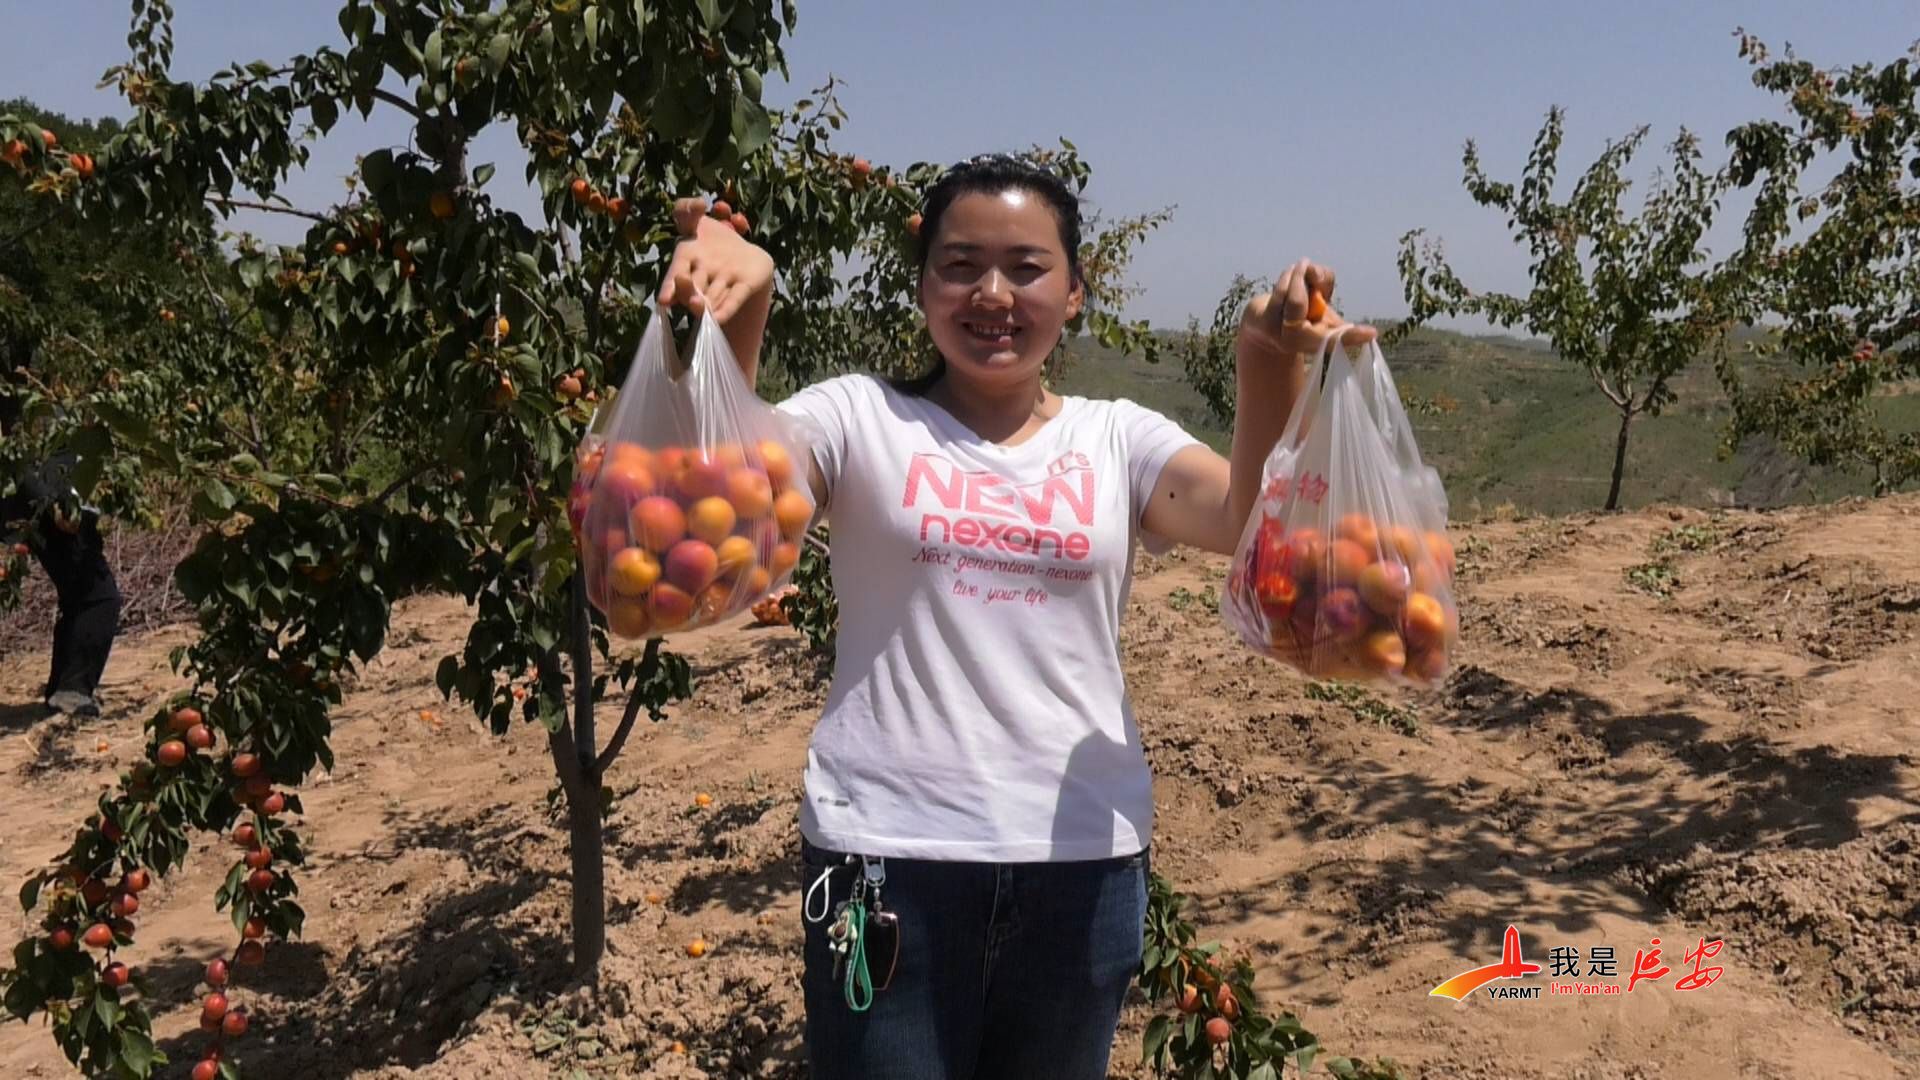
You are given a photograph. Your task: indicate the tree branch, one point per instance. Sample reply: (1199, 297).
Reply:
(403, 481)
(28, 231)
(399, 102)
(633, 710)
(1600, 381)
(242, 204)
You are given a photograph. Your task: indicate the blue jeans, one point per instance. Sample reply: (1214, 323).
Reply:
(1005, 971)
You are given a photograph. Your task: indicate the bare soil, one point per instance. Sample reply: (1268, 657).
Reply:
(1730, 761)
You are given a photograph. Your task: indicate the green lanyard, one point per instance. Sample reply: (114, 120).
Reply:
(859, 979)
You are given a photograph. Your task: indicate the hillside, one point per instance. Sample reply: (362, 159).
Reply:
(1721, 750)
(1531, 433)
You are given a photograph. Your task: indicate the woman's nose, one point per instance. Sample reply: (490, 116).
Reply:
(993, 287)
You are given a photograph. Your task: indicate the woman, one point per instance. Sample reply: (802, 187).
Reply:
(977, 759)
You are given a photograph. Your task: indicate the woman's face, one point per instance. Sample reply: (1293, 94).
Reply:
(997, 289)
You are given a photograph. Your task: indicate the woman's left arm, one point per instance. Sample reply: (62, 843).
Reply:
(1203, 499)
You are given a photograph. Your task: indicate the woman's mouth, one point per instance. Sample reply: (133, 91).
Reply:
(1001, 334)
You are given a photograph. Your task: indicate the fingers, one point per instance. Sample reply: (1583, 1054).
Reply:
(1295, 307)
(1355, 336)
(1320, 280)
(687, 214)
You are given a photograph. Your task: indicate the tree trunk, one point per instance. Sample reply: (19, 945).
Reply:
(584, 823)
(1619, 459)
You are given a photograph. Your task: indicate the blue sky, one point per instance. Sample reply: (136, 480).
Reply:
(1275, 129)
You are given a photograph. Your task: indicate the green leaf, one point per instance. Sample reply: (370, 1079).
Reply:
(136, 1052)
(482, 174)
(1156, 1037)
(30, 893)
(325, 113)
(432, 57)
(497, 52)
(592, 20)
(709, 13)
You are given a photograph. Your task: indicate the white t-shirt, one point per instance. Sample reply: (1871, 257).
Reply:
(977, 710)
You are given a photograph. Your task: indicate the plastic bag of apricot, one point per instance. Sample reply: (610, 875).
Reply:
(1344, 570)
(688, 501)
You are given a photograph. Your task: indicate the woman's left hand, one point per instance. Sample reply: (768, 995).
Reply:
(1275, 325)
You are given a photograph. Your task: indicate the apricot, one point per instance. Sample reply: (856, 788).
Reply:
(729, 455)
(1425, 621)
(1342, 616)
(1219, 1030)
(1441, 550)
(624, 480)
(735, 554)
(659, 523)
(628, 618)
(756, 581)
(750, 492)
(1346, 559)
(794, 512)
(1276, 593)
(668, 606)
(1383, 585)
(701, 477)
(776, 463)
(711, 519)
(692, 565)
(633, 571)
(786, 555)
(1382, 651)
(1405, 543)
(1307, 554)
(713, 602)
(1427, 665)
(1360, 529)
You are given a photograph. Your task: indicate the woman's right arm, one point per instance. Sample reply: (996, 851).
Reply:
(714, 263)
(735, 278)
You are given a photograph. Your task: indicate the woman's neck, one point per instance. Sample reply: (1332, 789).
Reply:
(996, 413)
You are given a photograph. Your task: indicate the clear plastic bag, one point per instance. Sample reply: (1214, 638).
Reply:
(1344, 569)
(690, 497)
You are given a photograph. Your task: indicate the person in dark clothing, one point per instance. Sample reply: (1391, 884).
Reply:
(73, 554)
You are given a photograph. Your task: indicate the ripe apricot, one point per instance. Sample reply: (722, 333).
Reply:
(98, 936)
(1276, 593)
(1360, 529)
(756, 582)
(692, 565)
(1441, 550)
(776, 463)
(750, 492)
(440, 205)
(259, 859)
(1425, 621)
(1384, 585)
(137, 880)
(172, 753)
(116, 975)
(1342, 616)
(659, 522)
(1382, 651)
(1427, 665)
(700, 477)
(245, 835)
(254, 930)
(260, 881)
(567, 388)
(711, 519)
(1219, 1030)
(712, 603)
(1316, 306)
(627, 617)
(183, 718)
(633, 571)
(597, 203)
(581, 190)
(786, 555)
(1225, 1003)
(702, 799)
(1189, 998)
(735, 554)
(794, 512)
(215, 1006)
(668, 606)
(697, 948)
(216, 972)
(49, 138)
(61, 939)
(245, 765)
(260, 786)
(206, 1069)
(200, 736)
(250, 953)
(913, 224)
(235, 1024)
(273, 804)
(1346, 559)
(1307, 554)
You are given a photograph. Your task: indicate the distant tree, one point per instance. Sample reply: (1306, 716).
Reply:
(1843, 292)
(1631, 299)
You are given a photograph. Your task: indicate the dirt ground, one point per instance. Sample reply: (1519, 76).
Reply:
(1731, 761)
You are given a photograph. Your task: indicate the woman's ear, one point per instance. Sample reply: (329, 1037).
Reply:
(1076, 297)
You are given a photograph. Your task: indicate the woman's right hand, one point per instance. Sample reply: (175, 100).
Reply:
(715, 270)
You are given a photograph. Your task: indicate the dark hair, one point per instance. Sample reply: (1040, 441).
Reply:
(993, 174)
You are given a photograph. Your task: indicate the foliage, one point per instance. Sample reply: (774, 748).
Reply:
(1837, 268)
(1203, 986)
(1627, 298)
(1207, 355)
